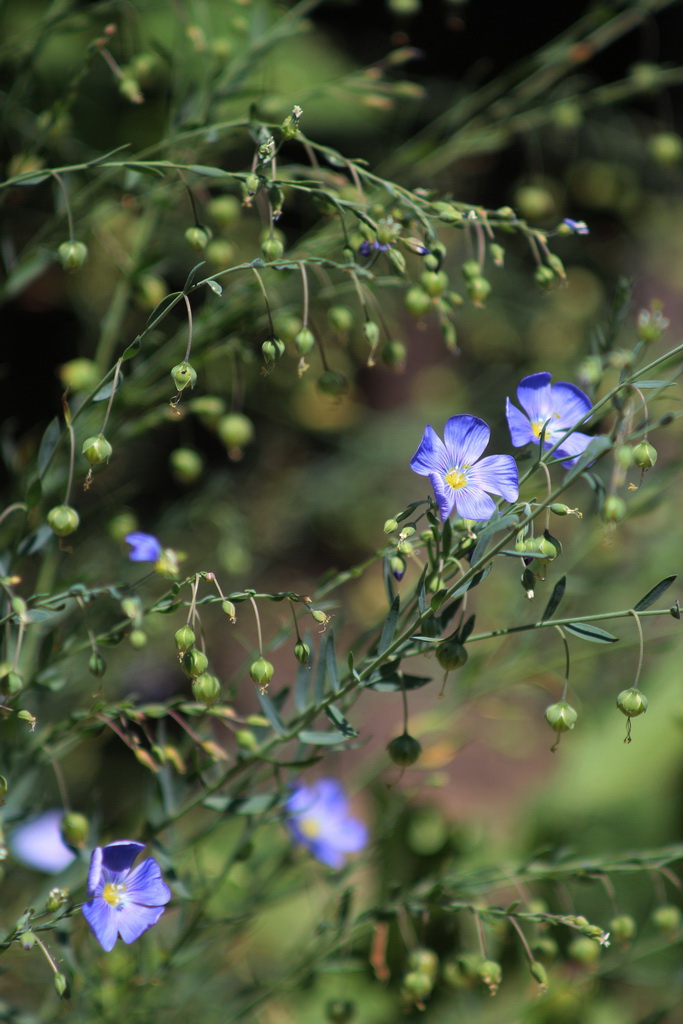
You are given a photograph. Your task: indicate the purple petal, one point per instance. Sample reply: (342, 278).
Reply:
(533, 394)
(573, 446)
(145, 547)
(95, 871)
(103, 922)
(350, 835)
(38, 843)
(330, 796)
(326, 853)
(134, 919)
(146, 886)
(300, 799)
(473, 503)
(466, 438)
(519, 426)
(569, 405)
(118, 857)
(431, 456)
(445, 496)
(496, 474)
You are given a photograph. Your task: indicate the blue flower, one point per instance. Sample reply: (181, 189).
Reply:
(558, 407)
(145, 547)
(460, 478)
(577, 227)
(318, 818)
(123, 900)
(38, 843)
(367, 248)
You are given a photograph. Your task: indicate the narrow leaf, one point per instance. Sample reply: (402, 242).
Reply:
(215, 287)
(242, 804)
(420, 592)
(322, 739)
(271, 714)
(588, 632)
(209, 172)
(474, 582)
(336, 717)
(656, 383)
(331, 668)
(107, 389)
(654, 594)
(192, 276)
(158, 310)
(555, 598)
(319, 684)
(389, 627)
(48, 444)
(132, 349)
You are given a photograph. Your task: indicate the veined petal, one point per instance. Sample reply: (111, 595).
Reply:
(95, 870)
(533, 394)
(145, 547)
(466, 438)
(134, 919)
(573, 446)
(102, 920)
(519, 426)
(445, 495)
(328, 854)
(497, 474)
(473, 503)
(431, 456)
(569, 403)
(146, 886)
(118, 857)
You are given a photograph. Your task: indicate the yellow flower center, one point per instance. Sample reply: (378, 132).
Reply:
(310, 827)
(457, 478)
(113, 894)
(537, 425)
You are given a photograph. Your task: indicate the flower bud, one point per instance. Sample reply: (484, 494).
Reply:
(304, 341)
(544, 277)
(632, 702)
(184, 639)
(97, 664)
(72, 255)
(490, 974)
(252, 184)
(206, 688)
(404, 750)
(56, 898)
(644, 455)
(74, 828)
(186, 465)
(417, 301)
(539, 973)
(63, 520)
(261, 671)
(622, 927)
(272, 248)
(302, 652)
(434, 282)
(564, 510)
(471, 269)
(447, 213)
(391, 525)
(394, 354)
(246, 739)
(340, 318)
(272, 350)
(333, 383)
(229, 609)
(614, 509)
(194, 663)
(667, 919)
(340, 1011)
(62, 985)
(79, 374)
(97, 449)
(451, 654)
(478, 290)
(398, 567)
(183, 376)
(235, 430)
(197, 238)
(424, 960)
(27, 940)
(561, 716)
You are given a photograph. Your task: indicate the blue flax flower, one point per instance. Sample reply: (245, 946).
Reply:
(460, 477)
(577, 227)
(123, 900)
(318, 817)
(145, 547)
(38, 843)
(558, 407)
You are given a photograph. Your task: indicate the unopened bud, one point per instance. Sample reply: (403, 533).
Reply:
(390, 525)
(340, 318)
(235, 430)
(644, 455)
(667, 919)
(27, 940)
(261, 671)
(137, 638)
(272, 248)
(614, 509)
(197, 238)
(186, 465)
(229, 609)
(56, 898)
(416, 986)
(72, 255)
(206, 688)
(632, 702)
(97, 450)
(304, 341)
(302, 652)
(490, 974)
(63, 520)
(184, 638)
(417, 301)
(62, 985)
(194, 663)
(561, 717)
(97, 664)
(478, 290)
(539, 973)
(74, 828)
(622, 927)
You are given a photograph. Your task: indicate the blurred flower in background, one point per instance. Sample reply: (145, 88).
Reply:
(38, 843)
(318, 818)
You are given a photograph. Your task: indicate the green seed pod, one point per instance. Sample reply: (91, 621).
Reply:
(340, 318)
(197, 238)
(371, 332)
(209, 409)
(61, 985)
(424, 960)
(614, 509)
(534, 202)
(564, 510)
(220, 253)
(391, 525)
(417, 301)
(75, 828)
(544, 277)
(63, 520)
(56, 898)
(447, 213)
(590, 371)
(416, 986)
(206, 688)
(497, 254)
(561, 717)
(129, 87)
(183, 376)
(644, 455)
(149, 290)
(394, 353)
(246, 739)
(137, 638)
(229, 609)
(434, 282)
(490, 974)
(478, 290)
(186, 465)
(584, 951)
(184, 639)
(13, 683)
(72, 255)
(451, 654)
(252, 184)
(632, 702)
(539, 973)
(302, 652)
(667, 919)
(455, 977)
(404, 750)
(97, 665)
(272, 351)
(235, 430)
(261, 671)
(272, 248)
(225, 211)
(194, 663)
(333, 383)
(471, 269)
(622, 928)
(304, 341)
(97, 449)
(340, 1011)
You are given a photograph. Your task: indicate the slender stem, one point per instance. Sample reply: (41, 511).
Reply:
(265, 299)
(67, 204)
(188, 307)
(117, 370)
(636, 616)
(566, 660)
(258, 624)
(601, 617)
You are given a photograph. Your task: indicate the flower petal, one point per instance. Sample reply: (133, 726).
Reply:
(431, 456)
(350, 835)
(118, 857)
(102, 920)
(95, 871)
(38, 843)
(519, 426)
(133, 920)
(533, 394)
(145, 547)
(326, 853)
(573, 446)
(146, 886)
(497, 474)
(466, 438)
(445, 496)
(473, 503)
(570, 403)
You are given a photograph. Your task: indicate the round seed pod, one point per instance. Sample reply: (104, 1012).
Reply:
(404, 750)
(63, 520)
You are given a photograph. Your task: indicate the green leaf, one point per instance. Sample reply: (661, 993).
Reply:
(192, 276)
(597, 447)
(215, 287)
(242, 804)
(159, 309)
(657, 383)
(271, 714)
(420, 592)
(588, 632)
(474, 582)
(322, 739)
(302, 687)
(48, 444)
(107, 389)
(555, 598)
(654, 594)
(496, 523)
(319, 683)
(389, 678)
(140, 168)
(331, 669)
(336, 717)
(389, 627)
(209, 172)
(132, 349)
